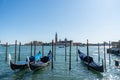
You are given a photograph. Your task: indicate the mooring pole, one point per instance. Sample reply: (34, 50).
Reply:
(103, 64)
(31, 49)
(6, 51)
(43, 49)
(88, 52)
(52, 54)
(70, 56)
(19, 51)
(15, 50)
(65, 51)
(87, 49)
(104, 56)
(34, 48)
(76, 52)
(109, 53)
(54, 51)
(98, 53)
(119, 46)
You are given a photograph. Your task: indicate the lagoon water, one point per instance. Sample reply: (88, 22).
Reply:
(61, 68)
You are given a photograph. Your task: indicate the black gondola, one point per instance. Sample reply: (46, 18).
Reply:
(19, 64)
(46, 60)
(90, 62)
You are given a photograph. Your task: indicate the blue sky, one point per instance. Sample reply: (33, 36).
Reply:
(77, 20)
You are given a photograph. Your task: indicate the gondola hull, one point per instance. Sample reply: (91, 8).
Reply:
(91, 64)
(38, 65)
(15, 66)
(45, 61)
(93, 67)
(19, 64)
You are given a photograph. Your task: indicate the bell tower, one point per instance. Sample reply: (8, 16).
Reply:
(56, 38)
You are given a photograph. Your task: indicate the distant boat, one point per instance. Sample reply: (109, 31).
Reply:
(19, 64)
(115, 51)
(90, 63)
(61, 46)
(46, 60)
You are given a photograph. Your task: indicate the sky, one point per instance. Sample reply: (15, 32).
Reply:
(77, 20)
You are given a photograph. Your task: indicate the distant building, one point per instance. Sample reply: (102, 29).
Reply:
(116, 44)
(115, 49)
(37, 43)
(65, 41)
(56, 38)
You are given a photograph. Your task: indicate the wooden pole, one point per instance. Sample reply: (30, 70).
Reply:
(70, 56)
(87, 48)
(76, 52)
(55, 51)
(103, 64)
(52, 54)
(6, 51)
(19, 51)
(31, 49)
(109, 53)
(98, 53)
(119, 46)
(42, 49)
(88, 52)
(104, 56)
(65, 51)
(15, 50)
(34, 48)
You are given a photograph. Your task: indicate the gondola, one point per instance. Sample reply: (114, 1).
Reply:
(19, 64)
(90, 62)
(45, 61)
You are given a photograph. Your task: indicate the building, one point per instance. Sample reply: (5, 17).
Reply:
(116, 44)
(56, 38)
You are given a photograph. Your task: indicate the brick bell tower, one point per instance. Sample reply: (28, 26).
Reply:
(56, 38)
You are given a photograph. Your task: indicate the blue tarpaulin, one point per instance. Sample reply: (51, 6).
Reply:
(38, 56)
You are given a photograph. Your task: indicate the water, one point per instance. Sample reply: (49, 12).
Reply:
(61, 68)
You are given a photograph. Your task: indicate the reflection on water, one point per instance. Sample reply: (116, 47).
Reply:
(61, 68)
